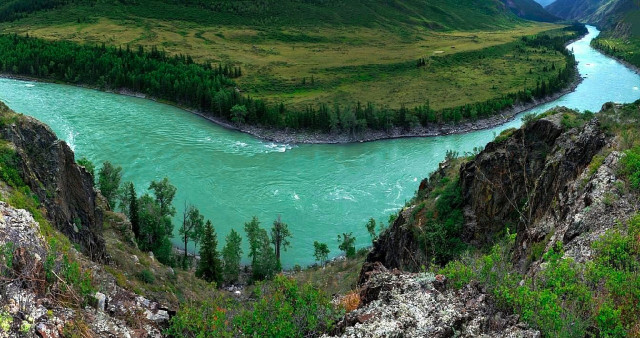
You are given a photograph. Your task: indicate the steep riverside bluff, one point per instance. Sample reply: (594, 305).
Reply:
(556, 182)
(517, 181)
(47, 166)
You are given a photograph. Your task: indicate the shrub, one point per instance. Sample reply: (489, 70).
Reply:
(285, 309)
(146, 276)
(631, 167)
(209, 319)
(504, 135)
(566, 298)
(441, 233)
(350, 301)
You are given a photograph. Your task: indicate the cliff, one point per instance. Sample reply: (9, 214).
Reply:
(65, 189)
(542, 223)
(516, 181)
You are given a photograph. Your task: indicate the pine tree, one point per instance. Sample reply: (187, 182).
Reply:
(209, 266)
(231, 256)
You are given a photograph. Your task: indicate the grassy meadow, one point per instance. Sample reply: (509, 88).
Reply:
(333, 63)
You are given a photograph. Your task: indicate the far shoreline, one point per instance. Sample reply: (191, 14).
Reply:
(304, 137)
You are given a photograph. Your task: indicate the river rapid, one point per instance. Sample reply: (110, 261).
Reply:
(320, 190)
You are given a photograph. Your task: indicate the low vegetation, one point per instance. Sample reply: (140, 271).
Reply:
(626, 49)
(566, 299)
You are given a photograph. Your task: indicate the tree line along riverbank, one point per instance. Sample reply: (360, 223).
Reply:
(211, 91)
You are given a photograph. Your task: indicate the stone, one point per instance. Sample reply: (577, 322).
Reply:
(408, 305)
(101, 301)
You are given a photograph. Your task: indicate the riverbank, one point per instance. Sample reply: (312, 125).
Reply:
(290, 136)
(303, 137)
(625, 63)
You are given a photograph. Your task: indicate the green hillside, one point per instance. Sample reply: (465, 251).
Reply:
(620, 18)
(440, 14)
(619, 21)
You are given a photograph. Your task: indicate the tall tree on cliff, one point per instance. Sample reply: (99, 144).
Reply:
(279, 234)
(134, 217)
(192, 221)
(263, 259)
(231, 255)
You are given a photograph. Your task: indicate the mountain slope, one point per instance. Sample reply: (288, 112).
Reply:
(544, 219)
(619, 17)
(530, 10)
(443, 14)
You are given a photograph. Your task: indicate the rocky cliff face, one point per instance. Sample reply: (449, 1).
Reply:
(556, 182)
(513, 183)
(516, 182)
(48, 167)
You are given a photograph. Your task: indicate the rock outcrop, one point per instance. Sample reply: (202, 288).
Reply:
(399, 304)
(554, 181)
(516, 181)
(513, 182)
(28, 308)
(48, 167)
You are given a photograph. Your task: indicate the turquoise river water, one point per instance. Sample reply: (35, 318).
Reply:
(320, 190)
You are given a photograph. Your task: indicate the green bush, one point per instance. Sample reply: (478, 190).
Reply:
(9, 167)
(146, 276)
(565, 298)
(280, 308)
(285, 309)
(631, 167)
(209, 319)
(504, 135)
(441, 233)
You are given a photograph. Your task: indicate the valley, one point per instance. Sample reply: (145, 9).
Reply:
(311, 186)
(125, 212)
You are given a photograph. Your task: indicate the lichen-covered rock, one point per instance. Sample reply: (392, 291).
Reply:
(29, 309)
(48, 167)
(396, 304)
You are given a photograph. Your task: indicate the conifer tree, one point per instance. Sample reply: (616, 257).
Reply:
(231, 256)
(133, 211)
(279, 234)
(209, 266)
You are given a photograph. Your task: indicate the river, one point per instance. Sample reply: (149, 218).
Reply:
(320, 190)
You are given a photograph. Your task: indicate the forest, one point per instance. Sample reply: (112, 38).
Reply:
(211, 89)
